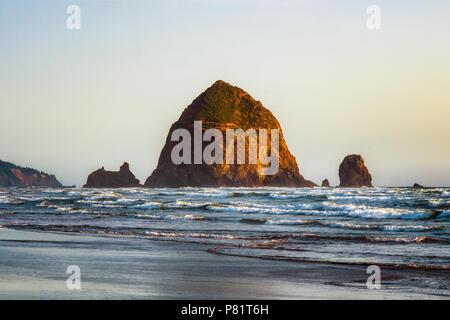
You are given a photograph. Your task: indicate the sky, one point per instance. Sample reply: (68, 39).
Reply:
(72, 101)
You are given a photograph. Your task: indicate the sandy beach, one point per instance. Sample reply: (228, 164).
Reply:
(33, 266)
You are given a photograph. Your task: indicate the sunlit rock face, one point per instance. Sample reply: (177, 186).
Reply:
(15, 176)
(102, 178)
(353, 173)
(223, 106)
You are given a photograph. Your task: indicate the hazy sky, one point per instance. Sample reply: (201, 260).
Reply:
(72, 101)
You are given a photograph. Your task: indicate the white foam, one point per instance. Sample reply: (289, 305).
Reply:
(444, 214)
(126, 200)
(278, 195)
(418, 228)
(247, 209)
(186, 217)
(348, 225)
(185, 204)
(438, 203)
(388, 213)
(192, 235)
(62, 209)
(146, 215)
(148, 205)
(6, 200)
(287, 222)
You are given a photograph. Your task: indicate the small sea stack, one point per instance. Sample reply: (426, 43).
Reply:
(353, 173)
(325, 183)
(417, 186)
(102, 178)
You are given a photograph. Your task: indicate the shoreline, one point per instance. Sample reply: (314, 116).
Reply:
(33, 266)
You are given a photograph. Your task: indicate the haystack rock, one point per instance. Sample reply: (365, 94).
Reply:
(15, 176)
(325, 183)
(223, 106)
(353, 173)
(102, 178)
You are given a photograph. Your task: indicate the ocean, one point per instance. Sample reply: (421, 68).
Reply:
(224, 243)
(394, 228)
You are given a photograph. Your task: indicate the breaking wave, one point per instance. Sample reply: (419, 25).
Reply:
(327, 223)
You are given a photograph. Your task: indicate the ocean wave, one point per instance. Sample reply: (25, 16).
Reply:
(224, 250)
(9, 200)
(106, 205)
(348, 225)
(289, 196)
(318, 221)
(253, 221)
(214, 236)
(247, 209)
(327, 209)
(283, 195)
(127, 201)
(185, 217)
(44, 204)
(444, 214)
(148, 205)
(439, 204)
(289, 222)
(31, 199)
(388, 213)
(148, 216)
(209, 193)
(105, 196)
(417, 228)
(246, 194)
(186, 204)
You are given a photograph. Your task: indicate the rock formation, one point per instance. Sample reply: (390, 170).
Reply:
(15, 176)
(102, 178)
(353, 173)
(223, 106)
(325, 183)
(417, 186)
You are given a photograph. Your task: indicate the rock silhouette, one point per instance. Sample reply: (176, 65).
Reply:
(12, 175)
(223, 106)
(353, 173)
(417, 186)
(325, 183)
(102, 178)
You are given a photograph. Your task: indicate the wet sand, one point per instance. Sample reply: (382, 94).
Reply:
(33, 266)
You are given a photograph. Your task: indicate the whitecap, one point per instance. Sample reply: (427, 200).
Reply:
(148, 205)
(288, 222)
(126, 200)
(186, 217)
(417, 228)
(348, 225)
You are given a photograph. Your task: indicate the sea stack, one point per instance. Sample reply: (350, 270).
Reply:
(223, 106)
(12, 175)
(102, 178)
(325, 183)
(353, 173)
(417, 186)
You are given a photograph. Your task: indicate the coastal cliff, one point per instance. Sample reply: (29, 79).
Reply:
(12, 175)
